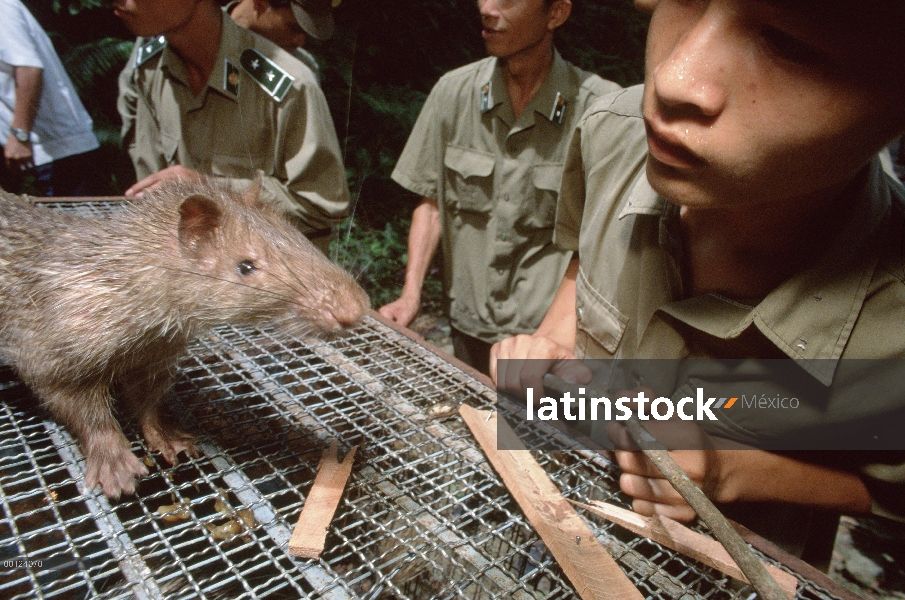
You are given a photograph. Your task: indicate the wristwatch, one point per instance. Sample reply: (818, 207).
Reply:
(21, 135)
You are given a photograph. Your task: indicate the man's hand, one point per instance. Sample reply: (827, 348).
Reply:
(732, 475)
(543, 356)
(18, 156)
(653, 494)
(155, 180)
(642, 480)
(401, 310)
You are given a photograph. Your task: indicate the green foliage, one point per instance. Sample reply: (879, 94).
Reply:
(74, 7)
(89, 63)
(377, 257)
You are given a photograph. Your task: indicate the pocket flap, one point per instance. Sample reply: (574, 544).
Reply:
(548, 176)
(227, 165)
(598, 317)
(468, 162)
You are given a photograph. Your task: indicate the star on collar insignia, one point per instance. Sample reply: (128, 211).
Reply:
(559, 109)
(272, 79)
(149, 48)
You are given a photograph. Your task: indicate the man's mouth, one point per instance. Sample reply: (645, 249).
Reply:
(669, 150)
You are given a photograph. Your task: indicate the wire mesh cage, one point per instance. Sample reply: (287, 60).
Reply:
(424, 516)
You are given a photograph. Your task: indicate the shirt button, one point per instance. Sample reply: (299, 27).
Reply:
(579, 311)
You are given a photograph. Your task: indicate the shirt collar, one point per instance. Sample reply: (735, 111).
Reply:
(232, 43)
(231, 47)
(810, 316)
(551, 100)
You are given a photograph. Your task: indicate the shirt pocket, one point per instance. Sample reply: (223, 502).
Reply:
(540, 209)
(469, 179)
(245, 166)
(598, 318)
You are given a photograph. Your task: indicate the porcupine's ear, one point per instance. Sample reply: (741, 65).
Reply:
(199, 218)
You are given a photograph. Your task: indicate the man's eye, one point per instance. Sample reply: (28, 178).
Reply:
(792, 49)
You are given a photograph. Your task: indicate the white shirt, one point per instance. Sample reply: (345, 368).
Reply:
(62, 127)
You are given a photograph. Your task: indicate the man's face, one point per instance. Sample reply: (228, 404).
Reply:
(279, 26)
(155, 17)
(748, 101)
(514, 26)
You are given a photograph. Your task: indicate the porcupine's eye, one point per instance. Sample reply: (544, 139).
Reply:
(246, 267)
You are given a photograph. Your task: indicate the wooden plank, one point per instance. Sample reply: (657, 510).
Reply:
(593, 573)
(676, 536)
(310, 532)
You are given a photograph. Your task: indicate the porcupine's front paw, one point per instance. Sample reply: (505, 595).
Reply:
(111, 464)
(168, 441)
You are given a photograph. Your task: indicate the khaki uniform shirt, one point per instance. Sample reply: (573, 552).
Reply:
(630, 303)
(234, 129)
(496, 180)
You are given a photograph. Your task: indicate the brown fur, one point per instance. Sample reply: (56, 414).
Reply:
(89, 304)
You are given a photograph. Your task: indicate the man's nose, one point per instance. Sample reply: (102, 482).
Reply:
(488, 8)
(696, 72)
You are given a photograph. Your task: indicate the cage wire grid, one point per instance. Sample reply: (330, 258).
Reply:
(423, 516)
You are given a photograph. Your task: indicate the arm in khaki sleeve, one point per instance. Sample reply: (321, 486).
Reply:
(424, 237)
(309, 178)
(127, 106)
(29, 85)
(140, 132)
(550, 349)
(150, 169)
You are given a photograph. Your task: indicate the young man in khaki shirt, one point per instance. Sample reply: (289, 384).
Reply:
(486, 157)
(743, 214)
(203, 97)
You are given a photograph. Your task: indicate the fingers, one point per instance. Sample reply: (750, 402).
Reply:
(18, 157)
(573, 371)
(520, 362)
(635, 463)
(650, 489)
(651, 493)
(682, 513)
(400, 311)
(149, 183)
(155, 180)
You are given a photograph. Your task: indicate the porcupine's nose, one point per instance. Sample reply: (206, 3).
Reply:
(346, 308)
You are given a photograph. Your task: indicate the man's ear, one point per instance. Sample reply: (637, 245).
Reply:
(559, 11)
